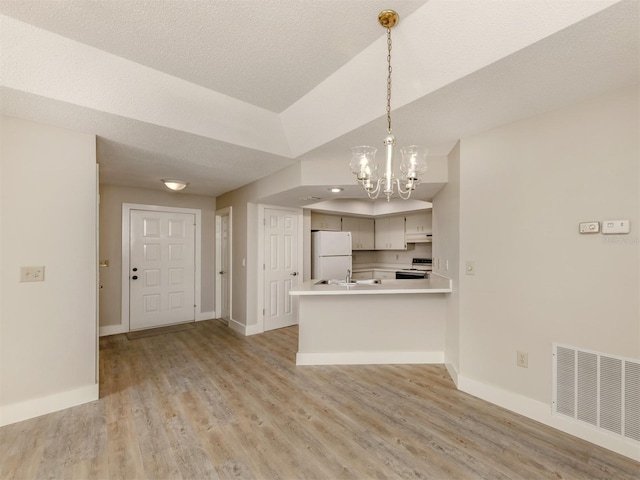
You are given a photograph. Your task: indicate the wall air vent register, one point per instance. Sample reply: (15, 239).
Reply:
(596, 388)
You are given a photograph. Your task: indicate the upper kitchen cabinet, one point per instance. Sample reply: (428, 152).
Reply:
(390, 233)
(418, 227)
(362, 232)
(321, 221)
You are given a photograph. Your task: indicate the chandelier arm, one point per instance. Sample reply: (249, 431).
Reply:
(402, 190)
(403, 194)
(375, 193)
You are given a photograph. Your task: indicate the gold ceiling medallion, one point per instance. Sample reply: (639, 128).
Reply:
(388, 18)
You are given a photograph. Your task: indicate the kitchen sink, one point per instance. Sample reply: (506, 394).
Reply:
(369, 281)
(342, 283)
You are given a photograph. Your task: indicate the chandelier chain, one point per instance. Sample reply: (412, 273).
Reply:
(389, 80)
(363, 163)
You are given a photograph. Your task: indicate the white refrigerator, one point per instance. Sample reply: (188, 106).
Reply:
(330, 255)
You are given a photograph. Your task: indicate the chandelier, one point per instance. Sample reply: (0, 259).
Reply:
(363, 163)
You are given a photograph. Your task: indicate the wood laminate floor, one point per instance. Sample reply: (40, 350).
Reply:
(208, 403)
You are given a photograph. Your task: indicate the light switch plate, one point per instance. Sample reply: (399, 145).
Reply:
(470, 268)
(612, 227)
(32, 274)
(590, 227)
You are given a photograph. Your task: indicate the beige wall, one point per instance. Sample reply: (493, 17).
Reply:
(244, 203)
(524, 188)
(237, 200)
(446, 248)
(111, 199)
(48, 218)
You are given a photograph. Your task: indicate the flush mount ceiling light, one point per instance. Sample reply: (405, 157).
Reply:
(175, 185)
(363, 163)
(335, 189)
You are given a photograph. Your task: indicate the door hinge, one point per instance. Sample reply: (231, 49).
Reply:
(264, 222)
(263, 312)
(264, 267)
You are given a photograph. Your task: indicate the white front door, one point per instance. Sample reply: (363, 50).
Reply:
(161, 268)
(225, 268)
(281, 268)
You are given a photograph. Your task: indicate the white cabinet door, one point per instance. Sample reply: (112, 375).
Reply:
(350, 224)
(419, 223)
(367, 234)
(389, 233)
(382, 233)
(320, 221)
(384, 274)
(362, 232)
(396, 233)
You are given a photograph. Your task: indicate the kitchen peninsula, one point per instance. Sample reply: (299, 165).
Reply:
(396, 321)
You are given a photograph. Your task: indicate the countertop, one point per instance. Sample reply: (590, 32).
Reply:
(435, 284)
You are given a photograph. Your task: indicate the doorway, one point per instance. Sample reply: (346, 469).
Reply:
(223, 263)
(160, 265)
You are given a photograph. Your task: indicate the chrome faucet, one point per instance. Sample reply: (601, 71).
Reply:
(348, 278)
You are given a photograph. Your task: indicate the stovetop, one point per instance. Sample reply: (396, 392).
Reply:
(420, 264)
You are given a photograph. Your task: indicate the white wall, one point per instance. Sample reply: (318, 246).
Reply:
(524, 189)
(48, 330)
(111, 199)
(512, 206)
(446, 255)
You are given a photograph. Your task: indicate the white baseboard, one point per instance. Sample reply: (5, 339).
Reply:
(112, 330)
(253, 329)
(205, 316)
(237, 326)
(115, 329)
(542, 412)
(17, 412)
(243, 329)
(453, 373)
(368, 358)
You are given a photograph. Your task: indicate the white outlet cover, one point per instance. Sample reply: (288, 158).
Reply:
(612, 227)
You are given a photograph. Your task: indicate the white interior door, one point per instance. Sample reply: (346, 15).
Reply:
(225, 268)
(281, 268)
(161, 268)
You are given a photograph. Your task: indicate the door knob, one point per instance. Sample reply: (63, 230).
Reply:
(135, 269)
(293, 274)
(221, 272)
(135, 277)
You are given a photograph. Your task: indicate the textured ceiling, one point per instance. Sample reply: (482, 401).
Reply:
(268, 53)
(222, 93)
